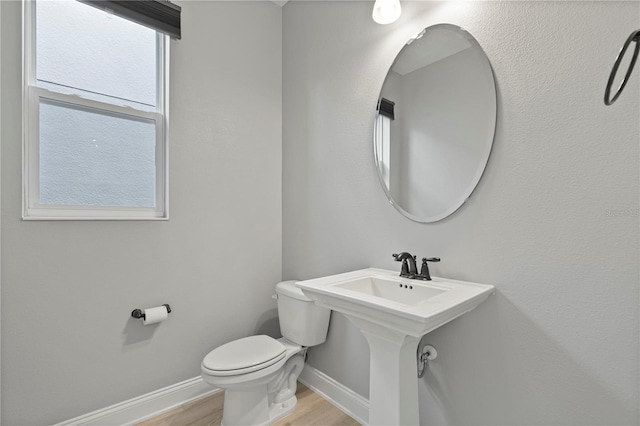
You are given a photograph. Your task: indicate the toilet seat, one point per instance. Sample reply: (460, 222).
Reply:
(244, 356)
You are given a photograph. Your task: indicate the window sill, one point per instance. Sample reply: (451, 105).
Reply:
(92, 214)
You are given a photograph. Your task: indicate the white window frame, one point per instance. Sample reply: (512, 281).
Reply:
(383, 147)
(34, 95)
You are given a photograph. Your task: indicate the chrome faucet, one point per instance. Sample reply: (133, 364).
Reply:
(410, 269)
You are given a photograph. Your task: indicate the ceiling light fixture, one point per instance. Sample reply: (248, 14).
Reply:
(386, 11)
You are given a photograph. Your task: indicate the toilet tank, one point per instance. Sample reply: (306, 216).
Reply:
(301, 320)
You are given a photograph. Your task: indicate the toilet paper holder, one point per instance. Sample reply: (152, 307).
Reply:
(139, 313)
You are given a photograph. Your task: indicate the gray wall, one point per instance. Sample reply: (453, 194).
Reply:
(548, 224)
(447, 106)
(68, 288)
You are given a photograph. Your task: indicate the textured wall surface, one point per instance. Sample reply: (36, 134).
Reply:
(553, 223)
(68, 288)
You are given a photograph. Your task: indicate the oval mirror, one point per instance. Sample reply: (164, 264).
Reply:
(435, 123)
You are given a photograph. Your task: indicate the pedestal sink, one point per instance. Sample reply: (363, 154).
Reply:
(393, 313)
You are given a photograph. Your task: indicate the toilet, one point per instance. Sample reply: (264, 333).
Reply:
(259, 373)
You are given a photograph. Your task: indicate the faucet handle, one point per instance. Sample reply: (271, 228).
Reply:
(424, 271)
(403, 256)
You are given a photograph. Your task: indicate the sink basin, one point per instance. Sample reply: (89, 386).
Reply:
(393, 313)
(408, 306)
(392, 290)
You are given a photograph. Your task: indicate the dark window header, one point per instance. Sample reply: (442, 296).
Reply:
(159, 15)
(385, 107)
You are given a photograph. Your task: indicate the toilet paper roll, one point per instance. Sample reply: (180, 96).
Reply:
(154, 315)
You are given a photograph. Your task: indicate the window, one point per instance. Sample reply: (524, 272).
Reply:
(383, 147)
(383, 139)
(95, 114)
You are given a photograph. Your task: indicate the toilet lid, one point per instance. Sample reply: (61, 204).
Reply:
(244, 355)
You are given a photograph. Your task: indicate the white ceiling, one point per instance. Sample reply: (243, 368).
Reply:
(440, 44)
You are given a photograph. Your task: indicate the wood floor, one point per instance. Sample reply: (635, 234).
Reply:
(312, 409)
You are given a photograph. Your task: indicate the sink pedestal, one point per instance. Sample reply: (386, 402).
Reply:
(392, 313)
(393, 382)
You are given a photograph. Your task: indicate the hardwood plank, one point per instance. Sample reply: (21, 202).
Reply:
(311, 410)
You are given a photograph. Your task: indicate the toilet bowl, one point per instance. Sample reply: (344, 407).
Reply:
(259, 373)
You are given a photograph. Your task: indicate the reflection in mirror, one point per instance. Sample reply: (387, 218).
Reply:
(435, 123)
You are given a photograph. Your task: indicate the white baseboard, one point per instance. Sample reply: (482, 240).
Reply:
(158, 402)
(145, 406)
(338, 394)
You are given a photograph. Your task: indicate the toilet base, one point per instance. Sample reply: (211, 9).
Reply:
(282, 409)
(276, 411)
(266, 401)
